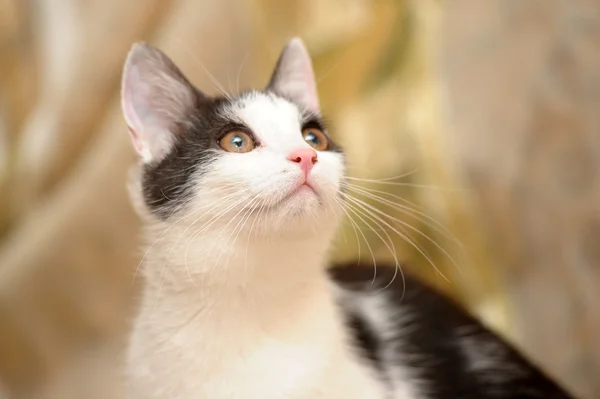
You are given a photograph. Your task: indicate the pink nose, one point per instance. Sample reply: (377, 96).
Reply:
(306, 157)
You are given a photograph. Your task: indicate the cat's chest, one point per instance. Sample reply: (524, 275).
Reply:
(304, 355)
(295, 373)
(271, 369)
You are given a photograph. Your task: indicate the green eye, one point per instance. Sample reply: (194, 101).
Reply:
(237, 141)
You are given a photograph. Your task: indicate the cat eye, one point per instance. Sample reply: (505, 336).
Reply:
(237, 141)
(315, 138)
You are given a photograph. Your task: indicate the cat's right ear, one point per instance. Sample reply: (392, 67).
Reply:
(155, 98)
(294, 77)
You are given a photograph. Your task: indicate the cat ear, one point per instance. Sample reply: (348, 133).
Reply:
(294, 77)
(155, 98)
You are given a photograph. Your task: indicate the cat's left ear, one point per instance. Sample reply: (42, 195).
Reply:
(294, 77)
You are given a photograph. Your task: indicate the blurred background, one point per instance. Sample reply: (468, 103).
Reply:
(489, 110)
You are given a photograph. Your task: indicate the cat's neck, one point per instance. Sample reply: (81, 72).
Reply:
(258, 321)
(263, 275)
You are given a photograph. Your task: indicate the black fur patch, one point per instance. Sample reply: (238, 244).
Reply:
(366, 339)
(166, 184)
(432, 341)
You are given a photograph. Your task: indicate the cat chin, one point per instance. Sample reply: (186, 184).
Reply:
(299, 200)
(300, 220)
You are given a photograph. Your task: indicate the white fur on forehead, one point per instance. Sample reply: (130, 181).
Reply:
(275, 121)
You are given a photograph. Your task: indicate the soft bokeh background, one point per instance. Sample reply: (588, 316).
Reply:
(489, 108)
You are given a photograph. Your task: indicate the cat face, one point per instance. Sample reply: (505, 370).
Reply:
(261, 160)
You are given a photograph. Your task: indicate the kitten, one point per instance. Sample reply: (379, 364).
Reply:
(240, 199)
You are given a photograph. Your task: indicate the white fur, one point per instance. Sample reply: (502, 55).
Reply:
(237, 303)
(487, 357)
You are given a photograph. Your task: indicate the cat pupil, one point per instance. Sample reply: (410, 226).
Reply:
(237, 141)
(312, 138)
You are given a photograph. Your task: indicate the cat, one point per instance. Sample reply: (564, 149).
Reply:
(240, 197)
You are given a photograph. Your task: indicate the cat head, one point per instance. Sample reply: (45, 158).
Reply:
(261, 158)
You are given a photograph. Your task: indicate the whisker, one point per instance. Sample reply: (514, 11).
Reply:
(435, 224)
(211, 77)
(213, 219)
(258, 216)
(357, 230)
(391, 247)
(365, 208)
(156, 240)
(415, 185)
(390, 178)
(240, 222)
(240, 69)
(409, 226)
(177, 209)
(409, 204)
(326, 74)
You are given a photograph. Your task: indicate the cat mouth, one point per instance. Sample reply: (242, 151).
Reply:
(304, 189)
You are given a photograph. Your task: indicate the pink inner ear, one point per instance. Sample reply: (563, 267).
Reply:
(311, 96)
(294, 77)
(131, 82)
(155, 95)
(135, 138)
(297, 83)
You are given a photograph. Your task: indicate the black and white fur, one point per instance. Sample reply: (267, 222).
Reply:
(238, 299)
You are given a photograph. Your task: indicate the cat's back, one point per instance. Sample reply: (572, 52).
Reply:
(419, 339)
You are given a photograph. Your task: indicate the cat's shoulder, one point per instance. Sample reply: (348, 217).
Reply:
(401, 323)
